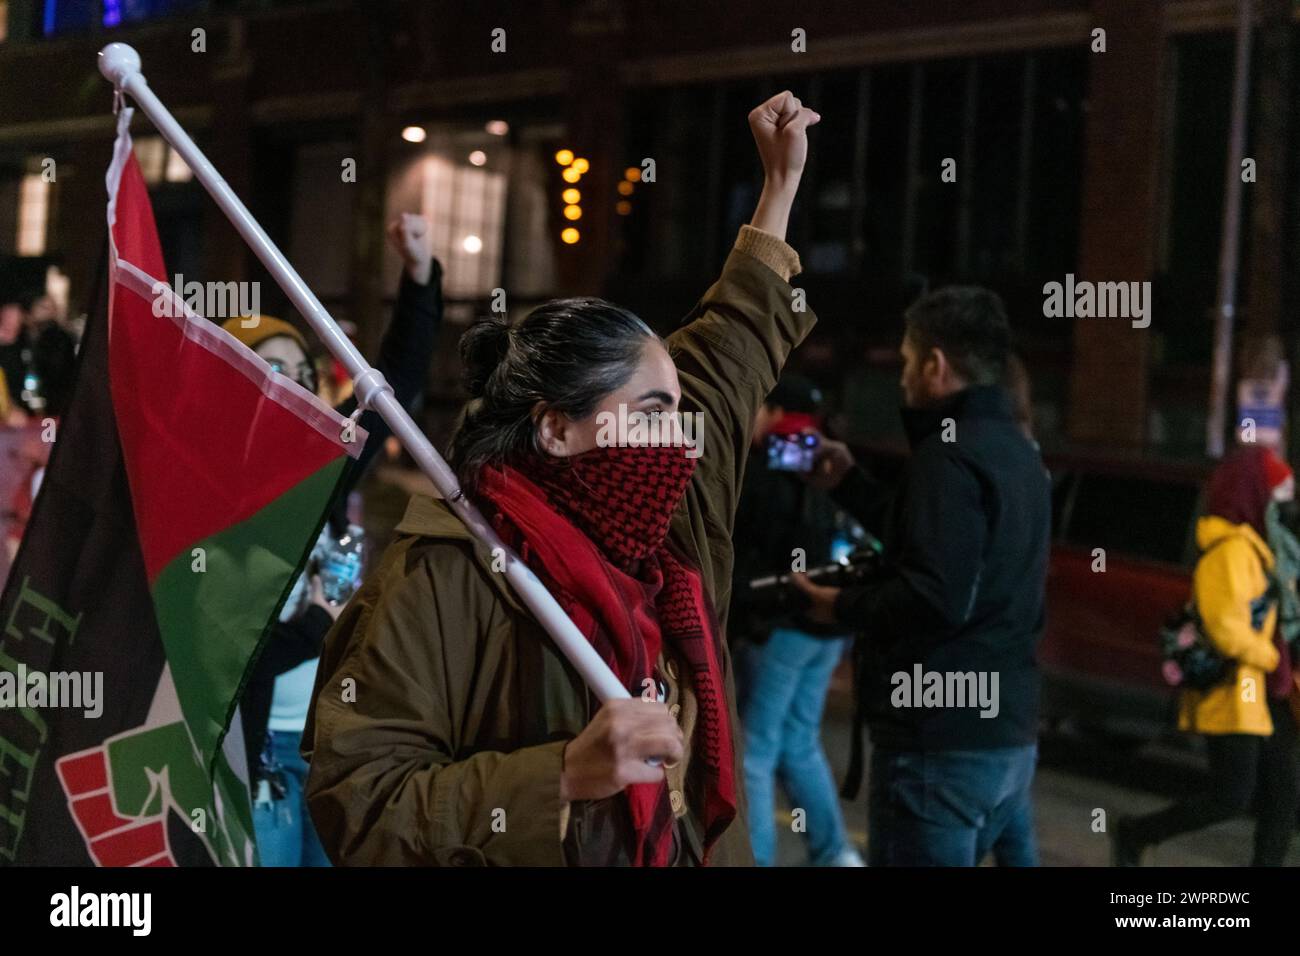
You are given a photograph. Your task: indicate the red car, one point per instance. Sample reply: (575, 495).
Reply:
(1100, 654)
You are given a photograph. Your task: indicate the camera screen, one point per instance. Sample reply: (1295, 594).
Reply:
(791, 452)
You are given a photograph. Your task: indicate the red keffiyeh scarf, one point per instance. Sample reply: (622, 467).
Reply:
(593, 528)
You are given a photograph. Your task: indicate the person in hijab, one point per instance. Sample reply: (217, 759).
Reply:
(1247, 723)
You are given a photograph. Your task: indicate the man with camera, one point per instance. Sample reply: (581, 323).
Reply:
(784, 663)
(946, 676)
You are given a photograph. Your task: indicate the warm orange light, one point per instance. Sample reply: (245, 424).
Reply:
(625, 188)
(572, 212)
(581, 165)
(632, 174)
(570, 236)
(572, 196)
(564, 157)
(571, 175)
(624, 207)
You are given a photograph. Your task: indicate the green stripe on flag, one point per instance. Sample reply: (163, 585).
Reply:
(212, 620)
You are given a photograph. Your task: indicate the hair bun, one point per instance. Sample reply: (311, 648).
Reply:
(482, 348)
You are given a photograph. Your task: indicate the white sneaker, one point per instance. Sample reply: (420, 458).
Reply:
(848, 857)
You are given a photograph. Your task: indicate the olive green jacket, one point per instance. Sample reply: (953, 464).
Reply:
(442, 708)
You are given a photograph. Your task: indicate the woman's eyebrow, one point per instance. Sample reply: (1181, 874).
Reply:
(658, 395)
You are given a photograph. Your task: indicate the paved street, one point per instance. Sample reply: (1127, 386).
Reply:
(1075, 776)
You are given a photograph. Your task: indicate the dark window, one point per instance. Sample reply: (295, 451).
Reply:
(1062, 485)
(1203, 68)
(1132, 517)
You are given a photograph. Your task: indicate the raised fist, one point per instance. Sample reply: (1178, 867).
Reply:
(409, 236)
(780, 128)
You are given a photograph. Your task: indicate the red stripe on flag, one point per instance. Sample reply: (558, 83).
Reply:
(205, 446)
(135, 236)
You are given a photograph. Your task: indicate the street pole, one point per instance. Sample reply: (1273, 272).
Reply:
(1229, 251)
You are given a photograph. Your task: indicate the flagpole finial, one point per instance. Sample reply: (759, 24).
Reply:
(117, 61)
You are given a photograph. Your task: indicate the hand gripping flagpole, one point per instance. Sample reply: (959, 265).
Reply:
(120, 65)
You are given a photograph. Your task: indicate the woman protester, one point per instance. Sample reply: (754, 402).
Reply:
(447, 728)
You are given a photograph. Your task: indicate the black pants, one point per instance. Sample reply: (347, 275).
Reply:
(1242, 767)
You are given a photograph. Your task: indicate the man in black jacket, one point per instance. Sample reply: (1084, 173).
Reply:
(947, 679)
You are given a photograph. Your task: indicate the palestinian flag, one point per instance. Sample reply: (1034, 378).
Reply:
(186, 488)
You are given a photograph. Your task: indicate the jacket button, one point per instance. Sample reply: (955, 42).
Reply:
(676, 801)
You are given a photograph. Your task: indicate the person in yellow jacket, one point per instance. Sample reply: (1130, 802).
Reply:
(1249, 729)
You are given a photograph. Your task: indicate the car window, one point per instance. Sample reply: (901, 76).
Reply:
(1131, 517)
(1062, 485)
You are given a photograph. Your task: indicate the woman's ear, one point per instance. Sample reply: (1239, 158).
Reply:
(553, 431)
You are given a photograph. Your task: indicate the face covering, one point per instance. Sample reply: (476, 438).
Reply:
(622, 498)
(577, 522)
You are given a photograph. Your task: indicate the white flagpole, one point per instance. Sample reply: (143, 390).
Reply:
(120, 65)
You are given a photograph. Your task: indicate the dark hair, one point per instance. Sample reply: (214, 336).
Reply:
(567, 355)
(969, 325)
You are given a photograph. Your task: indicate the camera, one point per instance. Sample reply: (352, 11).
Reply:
(791, 452)
(776, 596)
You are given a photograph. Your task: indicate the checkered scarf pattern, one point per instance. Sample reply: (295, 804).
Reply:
(593, 527)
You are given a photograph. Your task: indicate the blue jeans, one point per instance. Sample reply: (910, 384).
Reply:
(950, 807)
(785, 687)
(285, 835)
